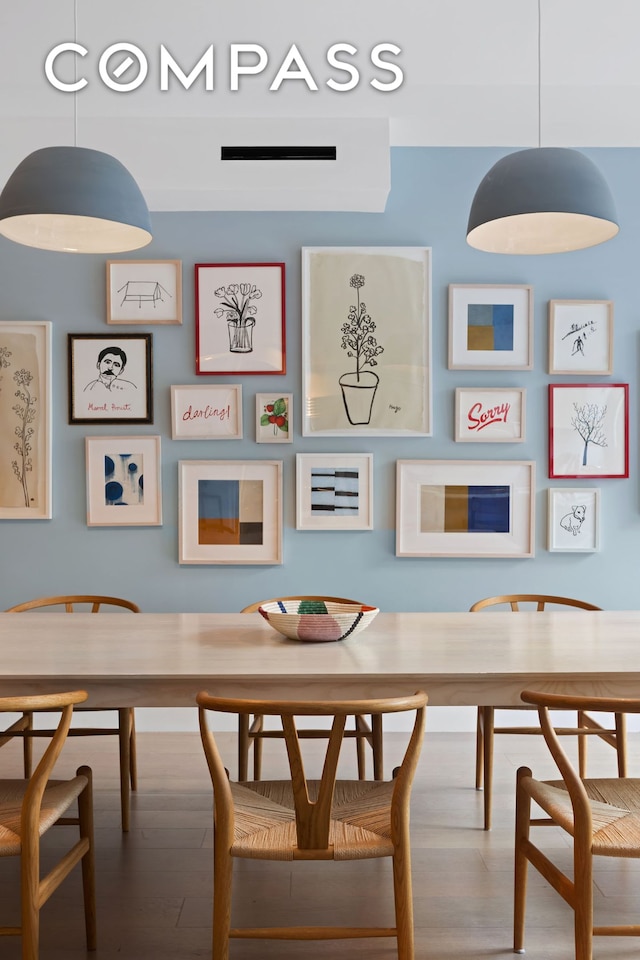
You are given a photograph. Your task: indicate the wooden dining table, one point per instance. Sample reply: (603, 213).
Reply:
(164, 659)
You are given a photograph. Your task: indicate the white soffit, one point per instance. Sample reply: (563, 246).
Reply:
(179, 165)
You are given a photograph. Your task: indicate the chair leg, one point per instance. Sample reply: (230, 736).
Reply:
(378, 756)
(133, 752)
(124, 738)
(523, 823)
(621, 743)
(258, 726)
(582, 748)
(30, 897)
(403, 897)
(360, 745)
(243, 746)
(583, 900)
(85, 818)
(488, 717)
(222, 879)
(479, 747)
(27, 746)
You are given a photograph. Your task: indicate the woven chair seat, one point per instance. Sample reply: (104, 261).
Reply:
(265, 825)
(58, 797)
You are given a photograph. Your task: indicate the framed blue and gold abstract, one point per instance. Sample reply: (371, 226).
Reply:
(490, 327)
(465, 508)
(123, 481)
(334, 491)
(230, 511)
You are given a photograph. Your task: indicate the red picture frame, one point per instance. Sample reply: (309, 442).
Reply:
(589, 430)
(240, 318)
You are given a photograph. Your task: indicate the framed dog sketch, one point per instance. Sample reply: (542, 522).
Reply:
(589, 430)
(490, 327)
(581, 337)
(144, 291)
(573, 519)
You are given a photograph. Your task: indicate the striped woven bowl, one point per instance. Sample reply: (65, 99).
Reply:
(317, 620)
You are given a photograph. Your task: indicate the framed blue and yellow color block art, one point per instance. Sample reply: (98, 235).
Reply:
(334, 491)
(490, 327)
(465, 508)
(230, 511)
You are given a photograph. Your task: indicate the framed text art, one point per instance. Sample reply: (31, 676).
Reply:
(206, 412)
(490, 327)
(589, 430)
(144, 291)
(273, 417)
(334, 491)
(581, 337)
(240, 318)
(123, 481)
(490, 414)
(230, 511)
(573, 519)
(25, 421)
(110, 378)
(465, 508)
(366, 341)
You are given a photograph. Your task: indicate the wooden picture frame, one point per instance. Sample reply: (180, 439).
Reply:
(589, 430)
(25, 420)
(143, 292)
(123, 481)
(581, 337)
(230, 511)
(110, 378)
(573, 519)
(490, 326)
(206, 411)
(274, 417)
(240, 318)
(490, 414)
(366, 341)
(334, 491)
(465, 508)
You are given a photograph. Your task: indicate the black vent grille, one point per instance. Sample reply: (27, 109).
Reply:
(278, 153)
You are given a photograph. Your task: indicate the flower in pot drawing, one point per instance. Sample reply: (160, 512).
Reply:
(359, 386)
(239, 311)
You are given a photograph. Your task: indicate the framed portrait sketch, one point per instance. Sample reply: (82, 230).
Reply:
(490, 327)
(465, 508)
(209, 412)
(230, 511)
(490, 414)
(123, 481)
(366, 341)
(573, 519)
(273, 417)
(144, 291)
(25, 421)
(589, 430)
(581, 337)
(110, 378)
(334, 491)
(240, 318)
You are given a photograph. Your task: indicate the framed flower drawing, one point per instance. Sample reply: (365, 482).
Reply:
(589, 430)
(240, 318)
(366, 341)
(273, 417)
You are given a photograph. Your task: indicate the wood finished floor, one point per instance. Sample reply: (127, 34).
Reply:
(155, 886)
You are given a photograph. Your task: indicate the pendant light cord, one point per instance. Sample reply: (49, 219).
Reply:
(539, 74)
(75, 75)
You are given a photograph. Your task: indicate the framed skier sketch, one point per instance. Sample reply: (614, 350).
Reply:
(581, 337)
(366, 341)
(589, 430)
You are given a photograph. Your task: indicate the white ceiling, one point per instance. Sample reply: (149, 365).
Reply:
(470, 74)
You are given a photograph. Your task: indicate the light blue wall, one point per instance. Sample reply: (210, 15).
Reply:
(428, 206)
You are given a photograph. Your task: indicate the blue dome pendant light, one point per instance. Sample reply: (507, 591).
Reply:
(542, 200)
(75, 200)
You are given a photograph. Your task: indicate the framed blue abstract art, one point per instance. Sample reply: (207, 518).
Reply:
(490, 327)
(230, 511)
(123, 481)
(334, 491)
(465, 508)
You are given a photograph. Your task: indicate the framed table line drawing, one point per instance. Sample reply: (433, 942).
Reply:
(144, 292)
(581, 337)
(123, 481)
(230, 511)
(334, 491)
(490, 414)
(573, 519)
(25, 420)
(240, 318)
(274, 413)
(465, 508)
(366, 341)
(110, 378)
(490, 326)
(589, 430)
(206, 411)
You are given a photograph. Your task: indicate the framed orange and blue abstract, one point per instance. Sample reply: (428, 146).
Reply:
(490, 327)
(465, 508)
(230, 511)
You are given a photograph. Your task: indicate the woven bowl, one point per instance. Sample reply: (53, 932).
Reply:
(317, 620)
